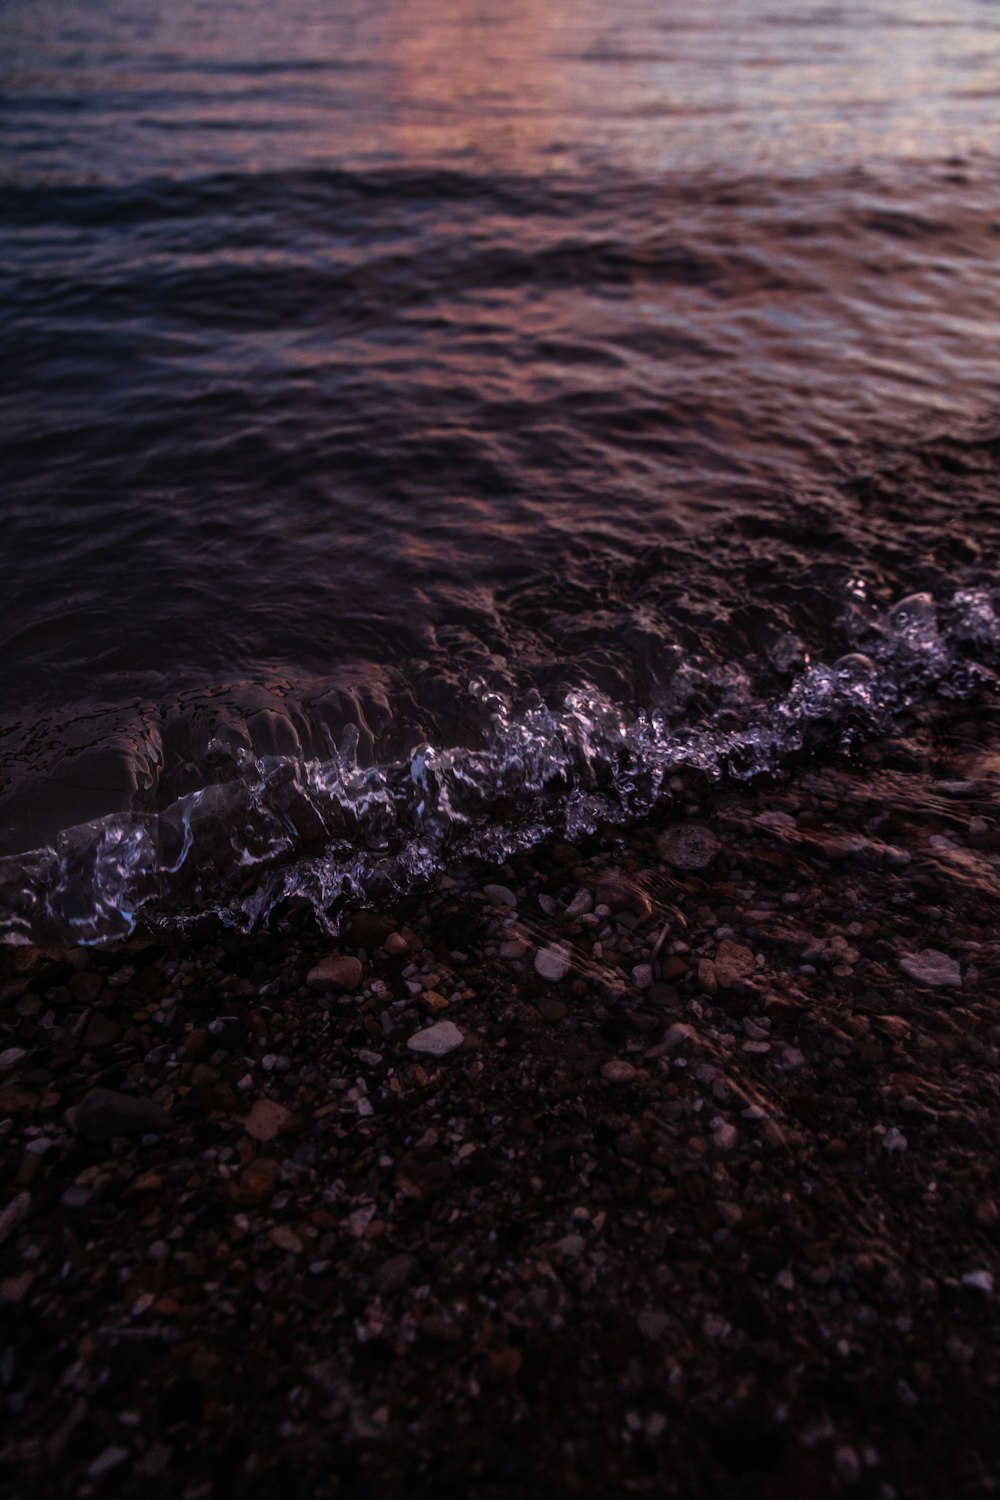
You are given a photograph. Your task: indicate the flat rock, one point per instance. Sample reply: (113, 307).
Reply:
(266, 1120)
(929, 966)
(733, 962)
(618, 1071)
(393, 1274)
(12, 1214)
(437, 1040)
(339, 971)
(553, 963)
(689, 846)
(500, 895)
(581, 903)
(102, 1114)
(620, 893)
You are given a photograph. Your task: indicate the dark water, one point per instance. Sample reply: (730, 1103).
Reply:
(564, 387)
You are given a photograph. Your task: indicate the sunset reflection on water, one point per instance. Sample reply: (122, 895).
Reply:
(526, 87)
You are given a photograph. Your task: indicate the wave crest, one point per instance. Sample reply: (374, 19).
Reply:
(335, 832)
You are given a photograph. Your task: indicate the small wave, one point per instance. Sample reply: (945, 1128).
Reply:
(337, 833)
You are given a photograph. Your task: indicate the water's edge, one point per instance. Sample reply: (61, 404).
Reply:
(335, 832)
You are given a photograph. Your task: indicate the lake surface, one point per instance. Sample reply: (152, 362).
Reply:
(427, 425)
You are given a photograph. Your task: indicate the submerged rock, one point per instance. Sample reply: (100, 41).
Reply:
(689, 846)
(553, 963)
(102, 1114)
(437, 1040)
(930, 966)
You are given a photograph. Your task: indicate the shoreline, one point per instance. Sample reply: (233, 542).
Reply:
(699, 1196)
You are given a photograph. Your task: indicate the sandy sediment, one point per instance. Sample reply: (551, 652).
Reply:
(664, 1165)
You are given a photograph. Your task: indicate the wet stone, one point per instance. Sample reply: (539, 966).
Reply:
(621, 894)
(500, 895)
(581, 903)
(266, 1120)
(733, 962)
(256, 1183)
(437, 1040)
(12, 1214)
(553, 963)
(103, 1113)
(931, 967)
(101, 1032)
(689, 846)
(339, 971)
(393, 1274)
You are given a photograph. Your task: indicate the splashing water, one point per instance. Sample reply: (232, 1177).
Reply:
(334, 832)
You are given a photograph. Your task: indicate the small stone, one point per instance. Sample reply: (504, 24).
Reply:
(500, 895)
(848, 1465)
(12, 1214)
(155, 1461)
(618, 1071)
(619, 892)
(369, 929)
(285, 1238)
(101, 1031)
(359, 1220)
(733, 963)
(553, 963)
(642, 976)
(979, 1281)
(14, 1289)
(423, 1173)
(10, 1058)
(85, 986)
(256, 1183)
(572, 1245)
(76, 1196)
(708, 980)
(894, 1140)
(653, 1325)
(929, 966)
(339, 971)
(724, 1136)
(104, 1463)
(513, 949)
(437, 1040)
(393, 1274)
(506, 1361)
(895, 858)
(676, 1035)
(103, 1113)
(396, 945)
(688, 846)
(581, 903)
(266, 1120)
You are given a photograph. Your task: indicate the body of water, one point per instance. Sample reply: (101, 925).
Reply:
(427, 425)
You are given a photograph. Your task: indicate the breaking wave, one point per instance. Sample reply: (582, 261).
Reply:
(338, 833)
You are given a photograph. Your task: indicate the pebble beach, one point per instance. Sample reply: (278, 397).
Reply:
(660, 1164)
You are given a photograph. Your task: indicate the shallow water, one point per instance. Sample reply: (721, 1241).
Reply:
(542, 384)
